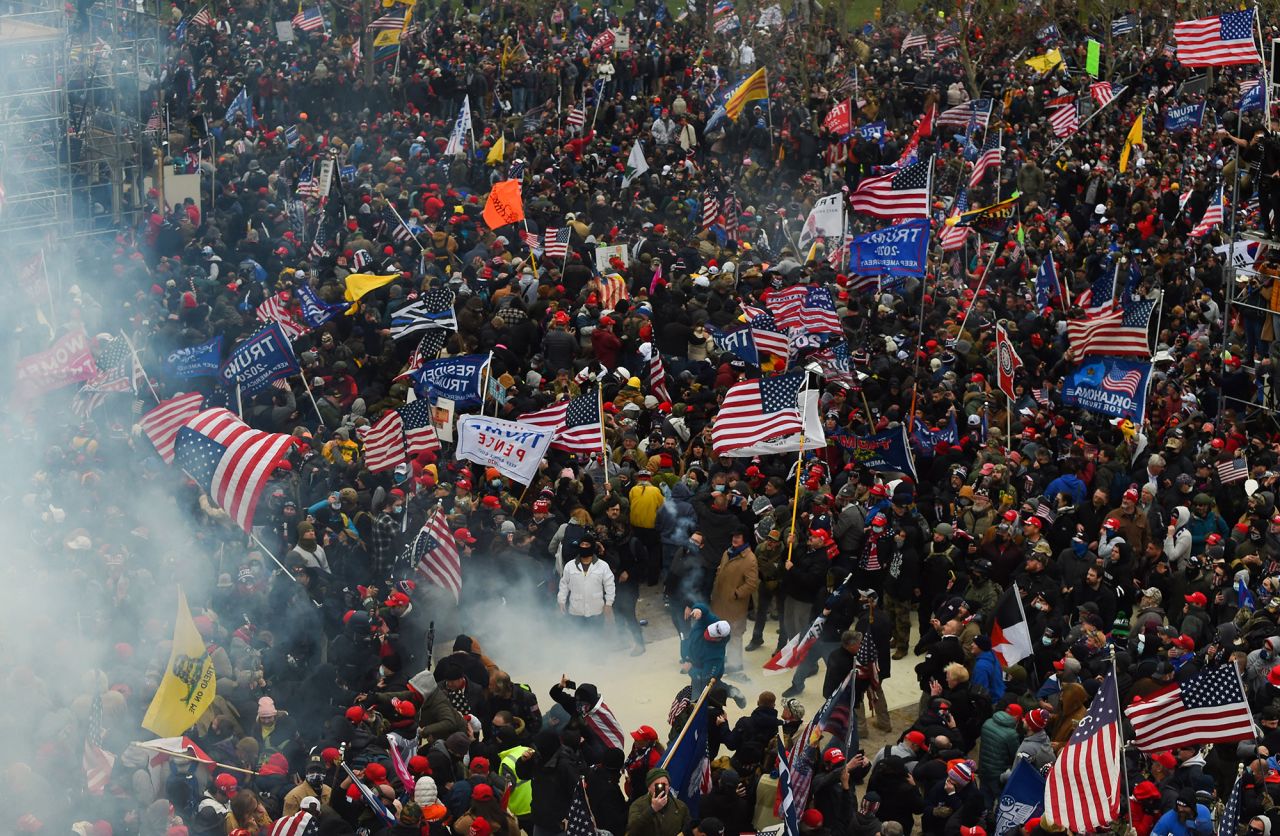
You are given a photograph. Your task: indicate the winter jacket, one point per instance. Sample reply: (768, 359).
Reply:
(999, 748)
(676, 518)
(986, 672)
(737, 579)
(437, 718)
(1037, 748)
(671, 820)
(586, 591)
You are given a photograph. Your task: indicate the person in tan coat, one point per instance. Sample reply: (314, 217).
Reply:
(737, 579)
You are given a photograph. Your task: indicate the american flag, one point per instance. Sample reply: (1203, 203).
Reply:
(1082, 792)
(162, 423)
(613, 289)
(231, 461)
(1118, 333)
(1041, 396)
(976, 112)
(97, 761)
(420, 354)
(1044, 511)
(914, 40)
(946, 38)
(320, 244)
(388, 22)
(575, 117)
(276, 309)
(308, 185)
(579, 821)
(117, 372)
(1126, 383)
(361, 259)
(400, 233)
(1064, 119)
(533, 241)
(310, 20)
(1100, 295)
(1232, 470)
(680, 704)
(399, 435)
(202, 17)
(1102, 93)
(732, 212)
(302, 823)
(555, 241)
(1217, 41)
(868, 658)
(805, 306)
(952, 238)
(754, 411)
(1209, 707)
(786, 798)
(1124, 24)
(658, 377)
(374, 800)
(901, 194)
(1212, 217)
(990, 156)
(155, 122)
(434, 552)
(766, 333)
(1230, 821)
(576, 422)
(710, 211)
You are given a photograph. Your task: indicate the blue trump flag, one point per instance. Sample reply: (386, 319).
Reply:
(687, 762)
(1110, 386)
(925, 439)
(452, 377)
(897, 250)
(1021, 799)
(259, 360)
(316, 312)
(1244, 598)
(1183, 117)
(1252, 98)
(872, 131)
(739, 342)
(195, 360)
(888, 451)
(1047, 286)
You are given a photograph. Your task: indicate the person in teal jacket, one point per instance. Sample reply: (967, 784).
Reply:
(1000, 743)
(703, 649)
(986, 668)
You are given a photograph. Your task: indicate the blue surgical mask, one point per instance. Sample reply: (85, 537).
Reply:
(1078, 547)
(1047, 641)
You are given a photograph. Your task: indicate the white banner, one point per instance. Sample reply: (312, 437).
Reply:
(513, 448)
(824, 221)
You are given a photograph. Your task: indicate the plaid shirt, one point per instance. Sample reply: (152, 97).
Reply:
(382, 540)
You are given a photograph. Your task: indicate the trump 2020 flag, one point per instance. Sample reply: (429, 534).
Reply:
(898, 250)
(1183, 117)
(188, 686)
(1021, 799)
(688, 762)
(452, 377)
(885, 451)
(1010, 636)
(1110, 386)
(195, 360)
(315, 311)
(262, 358)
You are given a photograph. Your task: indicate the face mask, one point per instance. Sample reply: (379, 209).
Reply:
(1078, 548)
(335, 505)
(383, 671)
(1046, 640)
(315, 778)
(397, 509)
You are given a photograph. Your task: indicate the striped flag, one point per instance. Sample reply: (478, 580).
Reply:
(1230, 821)
(755, 411)
(953, 237)
(1127, 383)
(162, 423)
(370, 797)
(310, 20)
(1102, 93)
(1217, 41)
(388, 22)
(901, 194)
(613, 289)
(915, 40)
(710, 211)
(433, 310)
(976, 112)
(422, 352)
(1212, 217)
(302, 823)
(990, 156)
(1232, 470)
(308, 185)
(1082, 793)
(230, 460)
(793, 652)
(786, 798)
(804, 306)
(1064, 119)
(97, 762)
(766, 333)
(575, 117)
(434, 553)
(202, 17)
(555, 241)
(576, 423)
(276, 309)
(658, 377)
(399, 435)
(1209, 707)
(1117, 333)
(1124, 24)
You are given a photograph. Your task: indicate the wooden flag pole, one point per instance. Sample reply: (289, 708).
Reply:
(696, 706)
(187, 757)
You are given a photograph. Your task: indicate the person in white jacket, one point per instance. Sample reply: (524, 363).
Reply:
(586, 585)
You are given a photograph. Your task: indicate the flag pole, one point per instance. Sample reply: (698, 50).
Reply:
(392, 207)
(604, 445)
(134, 353)
(488, 375)
(239, 403)
(694, 713)
(1115, 679)
(307, 386)
(532, 258)
(795, 501)
(1087, 120)
(184, 756)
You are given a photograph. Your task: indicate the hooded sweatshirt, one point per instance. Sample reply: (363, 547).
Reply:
(1177, 546)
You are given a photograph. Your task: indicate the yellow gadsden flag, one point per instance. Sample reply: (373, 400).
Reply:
(1046, 62)
(189, 684)
(358, 284)
(497, 152)
(1134, 138)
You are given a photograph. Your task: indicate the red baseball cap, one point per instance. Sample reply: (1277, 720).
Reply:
(463, 535)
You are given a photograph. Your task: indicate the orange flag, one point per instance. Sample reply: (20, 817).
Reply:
(503, 206)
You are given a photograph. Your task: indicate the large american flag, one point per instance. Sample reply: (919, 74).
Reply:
(276, 309)
(434, 553)
(117, 372)
(579, 821)
(805, 306)
(1082, 793)
(658, 377)
(1102, 92)
(977, 112)
(202, 17)
(1217, 41)
(1212, 217)
(710, 210)
(1118, 333)
(555, 241)
(97, 762)
(990, 156)
(1210, 707)
(1232, 470)
(399, 435)
(613, 289)
(915, 40)
(901, 194)
(952, 238)
(754, 411)
(310, 20)
(1064, 119)
(230, 460)
(576, 423)
(765, 331)
(162, 423)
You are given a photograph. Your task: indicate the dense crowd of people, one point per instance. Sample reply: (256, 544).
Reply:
(1128, 550)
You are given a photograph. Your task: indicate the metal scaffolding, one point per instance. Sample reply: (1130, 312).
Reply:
(72, 119)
